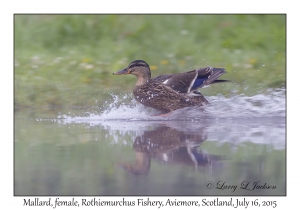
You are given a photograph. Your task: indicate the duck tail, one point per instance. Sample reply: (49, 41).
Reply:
(215, 74)
(220, 80)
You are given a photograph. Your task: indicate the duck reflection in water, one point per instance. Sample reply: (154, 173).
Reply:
(170, 145)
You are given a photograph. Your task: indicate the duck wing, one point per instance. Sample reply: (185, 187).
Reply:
(188, 81)
(207, 76)
(181, 82)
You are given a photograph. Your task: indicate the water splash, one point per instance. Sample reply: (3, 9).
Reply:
(124, 107)
(259, 118)
(272, 104)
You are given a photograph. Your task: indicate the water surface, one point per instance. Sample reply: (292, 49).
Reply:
(234, 146)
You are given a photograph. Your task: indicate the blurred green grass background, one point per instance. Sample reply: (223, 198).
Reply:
(68, 60)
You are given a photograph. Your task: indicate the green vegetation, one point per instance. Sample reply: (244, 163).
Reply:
(68, 60)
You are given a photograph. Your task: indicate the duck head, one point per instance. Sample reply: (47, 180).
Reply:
(140, 69)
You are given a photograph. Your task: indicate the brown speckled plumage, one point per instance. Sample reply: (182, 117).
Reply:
(170, 92)
(164, 98)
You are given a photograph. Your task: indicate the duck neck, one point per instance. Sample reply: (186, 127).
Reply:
(143, 76)
(142, 81)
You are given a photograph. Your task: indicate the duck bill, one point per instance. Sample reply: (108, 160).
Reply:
(124, 71)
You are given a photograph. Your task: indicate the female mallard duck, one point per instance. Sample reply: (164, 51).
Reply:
(169, 92)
